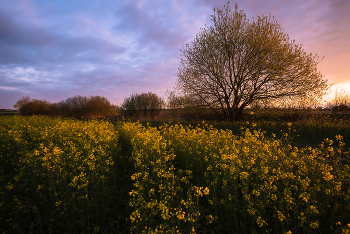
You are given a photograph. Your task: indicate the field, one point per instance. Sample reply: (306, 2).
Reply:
(61, 175)
(8, 113)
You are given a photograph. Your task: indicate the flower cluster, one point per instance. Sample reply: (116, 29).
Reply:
(56, 170)
(256, 184)
(71, 176)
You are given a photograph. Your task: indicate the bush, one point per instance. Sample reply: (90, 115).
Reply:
(99, 106)
(35, 107)
(340, 108)
(73, 106)
(82, 106)
(144, 104)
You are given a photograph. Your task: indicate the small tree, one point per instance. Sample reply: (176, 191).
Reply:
(175, 101)
(148, 103)
(98, 105)
(35, 107)
(74, 106)
(22, 101)
(237, 62)
(80, 106)
(340, 100)
(341, 97)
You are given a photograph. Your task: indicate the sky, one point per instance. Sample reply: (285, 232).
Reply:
(113, 48)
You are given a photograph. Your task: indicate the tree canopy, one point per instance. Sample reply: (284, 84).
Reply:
(143, 101)
(237, 62)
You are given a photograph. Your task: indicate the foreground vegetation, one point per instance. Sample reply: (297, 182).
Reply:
(70, 176)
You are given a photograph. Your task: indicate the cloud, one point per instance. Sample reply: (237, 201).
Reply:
(28, 44)
(59, 49)
(81, 52)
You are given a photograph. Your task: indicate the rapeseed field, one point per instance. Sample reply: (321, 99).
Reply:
(62, 175)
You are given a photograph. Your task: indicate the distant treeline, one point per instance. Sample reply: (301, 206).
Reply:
(148, 106)
(137, 105)
(77, 106)
(7, 110)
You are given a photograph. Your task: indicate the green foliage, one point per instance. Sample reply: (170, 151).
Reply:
(236, 63)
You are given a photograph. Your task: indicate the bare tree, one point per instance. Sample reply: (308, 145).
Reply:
(237, 62)
(341, 97)
(340, 101)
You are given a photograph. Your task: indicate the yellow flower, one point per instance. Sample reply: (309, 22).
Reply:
(193, 231)
(314, 225)
(260, 221)
(327, 176)
(206, 191)
(281, 217)
(10, 186)
(181, 215)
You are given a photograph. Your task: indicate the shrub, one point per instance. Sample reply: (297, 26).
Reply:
(73, 106)
(82, 106)
(99, 106)
(340, 108)
(35, 107)
(145, 104)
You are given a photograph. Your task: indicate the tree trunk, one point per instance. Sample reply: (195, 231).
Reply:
(238, 113)
(228, 114)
